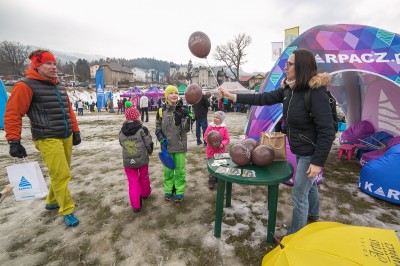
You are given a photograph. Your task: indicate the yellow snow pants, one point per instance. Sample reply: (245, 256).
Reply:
(56, 154)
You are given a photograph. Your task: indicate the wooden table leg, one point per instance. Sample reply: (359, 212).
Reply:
(228, 194)
(219, 206)
(273, 191)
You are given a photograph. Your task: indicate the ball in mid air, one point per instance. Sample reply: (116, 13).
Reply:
(199, 44)
(193, 93)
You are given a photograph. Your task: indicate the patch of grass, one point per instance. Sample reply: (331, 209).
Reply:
(41, 231)
(18, 245)
(229, 221)
(119, 257)
(119, 201)
(250, 255)
(195, 169)
(388, 218)
(94, 262)
(242, 237)
(116, 233)
(50, 243)
(358, 206)
(106, 170)
(103, 214)
(201, 255)
(207, 216)
(169, 242)
(3, 220)
(193, 253)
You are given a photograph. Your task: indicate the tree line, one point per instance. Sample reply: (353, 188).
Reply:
(14, 59)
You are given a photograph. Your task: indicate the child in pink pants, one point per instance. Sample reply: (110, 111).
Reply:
(137, 145)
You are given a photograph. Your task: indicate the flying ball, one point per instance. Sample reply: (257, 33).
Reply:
(199, 44)
(193, 94)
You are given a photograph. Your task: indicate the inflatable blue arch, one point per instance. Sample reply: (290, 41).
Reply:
(364, 63)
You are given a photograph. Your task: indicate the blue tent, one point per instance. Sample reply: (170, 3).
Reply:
(3, 101)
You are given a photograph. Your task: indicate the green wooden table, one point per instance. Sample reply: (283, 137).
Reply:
(270, 176)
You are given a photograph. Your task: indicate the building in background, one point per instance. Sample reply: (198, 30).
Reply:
(204, 77)
(139, 74)
(115, 74)
(93, 70)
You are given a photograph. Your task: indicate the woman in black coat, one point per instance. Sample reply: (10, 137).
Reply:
(310, 134)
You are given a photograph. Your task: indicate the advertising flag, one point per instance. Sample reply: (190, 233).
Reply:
(99, 89)
(291, 35)
(277, 48)
(3, 101)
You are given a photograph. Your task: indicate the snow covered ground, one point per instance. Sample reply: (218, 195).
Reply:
(163, 233)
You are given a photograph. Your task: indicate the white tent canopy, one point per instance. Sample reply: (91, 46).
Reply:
(232, 87)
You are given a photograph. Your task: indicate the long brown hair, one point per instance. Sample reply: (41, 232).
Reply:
(305, 67)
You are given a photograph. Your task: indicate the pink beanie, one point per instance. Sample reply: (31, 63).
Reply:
(131, 113)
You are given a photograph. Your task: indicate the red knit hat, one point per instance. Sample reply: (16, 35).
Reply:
(131, 113)
(41, 58)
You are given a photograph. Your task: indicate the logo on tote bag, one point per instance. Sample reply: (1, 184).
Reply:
(24, 184)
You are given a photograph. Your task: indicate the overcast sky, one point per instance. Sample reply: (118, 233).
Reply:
(160, 29)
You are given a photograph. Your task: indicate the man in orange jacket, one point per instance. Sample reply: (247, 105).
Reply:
(53, 125)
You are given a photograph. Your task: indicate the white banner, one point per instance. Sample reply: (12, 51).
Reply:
(277, 48)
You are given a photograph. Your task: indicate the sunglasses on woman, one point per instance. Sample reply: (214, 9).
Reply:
(289, 64)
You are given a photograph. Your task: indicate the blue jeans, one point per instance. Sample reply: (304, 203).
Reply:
(201, 123)
(304, 195)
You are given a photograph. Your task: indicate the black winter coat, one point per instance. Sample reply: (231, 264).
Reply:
(201, 108)
(309, 135)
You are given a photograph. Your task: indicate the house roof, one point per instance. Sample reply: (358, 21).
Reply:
(118, 68)
(258, 76)
(245, 78)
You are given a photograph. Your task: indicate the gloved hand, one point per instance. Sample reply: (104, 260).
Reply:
(179, 115)
(159, 135)
(191, 115)
(17, 150)
(76, 138)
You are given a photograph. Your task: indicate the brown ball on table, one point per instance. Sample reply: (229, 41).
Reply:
(240, 155)
(251, 144)
(263, 155)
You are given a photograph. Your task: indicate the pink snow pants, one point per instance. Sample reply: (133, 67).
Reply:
(138, 184)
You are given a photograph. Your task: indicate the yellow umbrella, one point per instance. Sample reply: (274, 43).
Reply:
(329, 243)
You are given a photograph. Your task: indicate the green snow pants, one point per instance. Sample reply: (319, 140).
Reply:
(176, 177)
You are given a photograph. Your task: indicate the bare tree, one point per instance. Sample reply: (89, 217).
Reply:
(14, 54)
(232, 53)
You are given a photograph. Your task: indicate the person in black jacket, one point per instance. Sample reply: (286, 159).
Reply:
(310, 134)
(200, 113)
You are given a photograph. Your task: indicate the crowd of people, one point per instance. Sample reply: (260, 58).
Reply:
(55, 130)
